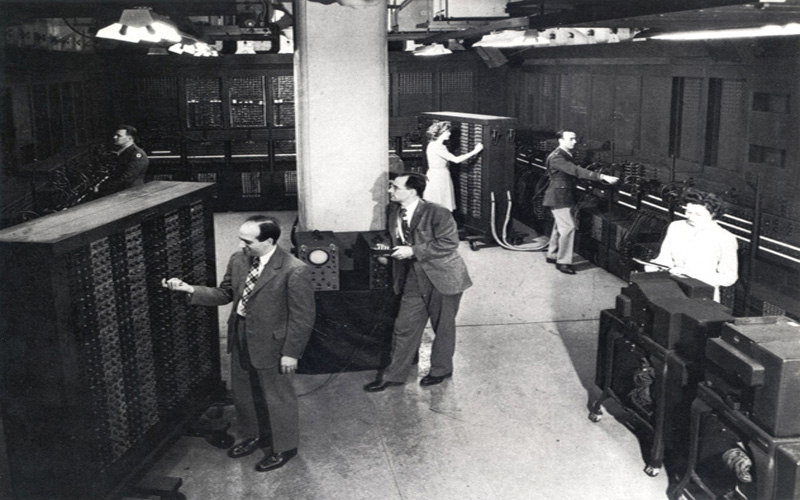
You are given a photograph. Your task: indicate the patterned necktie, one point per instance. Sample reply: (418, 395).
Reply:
(250, 282)
(405, 227)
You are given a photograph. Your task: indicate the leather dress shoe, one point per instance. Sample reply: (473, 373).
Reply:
(275, 460)
(431, 380)
(380, 385)
(549, 260)
(565, 268)
(244, 448)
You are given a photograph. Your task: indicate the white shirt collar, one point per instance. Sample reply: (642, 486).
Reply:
(265, 259)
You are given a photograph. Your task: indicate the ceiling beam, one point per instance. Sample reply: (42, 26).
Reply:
(593, 12)
(23, 10)
(478, 31)
(622, 9)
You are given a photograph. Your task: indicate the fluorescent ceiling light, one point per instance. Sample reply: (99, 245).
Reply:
(511, 38)
(205, 50)
(194, 48)
(434, 49)
(792, 29)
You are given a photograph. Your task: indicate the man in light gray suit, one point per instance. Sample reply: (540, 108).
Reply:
(268, 329)
(430, 275)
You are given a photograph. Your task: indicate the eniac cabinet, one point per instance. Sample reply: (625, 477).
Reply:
(492, 171)
(100, 364)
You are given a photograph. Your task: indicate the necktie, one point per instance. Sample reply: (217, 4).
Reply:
(250, 282)
(405, 227)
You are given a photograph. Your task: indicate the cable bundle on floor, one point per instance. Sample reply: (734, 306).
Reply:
(537, 246)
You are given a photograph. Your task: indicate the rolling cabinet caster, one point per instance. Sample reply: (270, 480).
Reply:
(595, 416)
(652, 471)
(474, 246)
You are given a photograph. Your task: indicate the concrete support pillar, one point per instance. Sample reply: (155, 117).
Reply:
(342, 115)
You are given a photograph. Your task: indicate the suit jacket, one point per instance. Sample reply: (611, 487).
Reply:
(281, 305)
(563, 172)
(434, 238)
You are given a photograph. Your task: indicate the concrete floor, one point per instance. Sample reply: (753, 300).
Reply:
(511, 424)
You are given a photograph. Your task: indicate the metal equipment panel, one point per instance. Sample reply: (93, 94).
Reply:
(769, 347)
(321, 251)
(654, 386)
(730, 457)
(492, 171)
(101, 367)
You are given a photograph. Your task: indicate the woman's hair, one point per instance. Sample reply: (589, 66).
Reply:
(713, 203)
(437, 129)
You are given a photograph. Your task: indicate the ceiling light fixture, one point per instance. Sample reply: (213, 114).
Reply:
(117, 31)
(500, 39)
(193, 48)
(511, 38)
(141, 25)
(792, 29)
(434, 49)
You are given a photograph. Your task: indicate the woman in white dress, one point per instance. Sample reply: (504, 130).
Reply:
(699, 247)
(440, 185)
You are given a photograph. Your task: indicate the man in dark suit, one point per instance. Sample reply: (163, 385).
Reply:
(560, 197)
(131, 164)
(268, 329)
(430, 275)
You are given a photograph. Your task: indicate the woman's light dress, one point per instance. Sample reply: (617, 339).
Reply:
(440, 187)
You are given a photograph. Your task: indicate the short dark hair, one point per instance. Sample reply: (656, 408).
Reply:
(560, 133)
(415, 181)
(268, 227)
(129, 129)
(715, 205)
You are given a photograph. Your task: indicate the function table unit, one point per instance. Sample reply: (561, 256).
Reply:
(101, 365)
(490, 173)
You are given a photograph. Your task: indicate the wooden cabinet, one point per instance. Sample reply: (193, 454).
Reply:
(100, 364)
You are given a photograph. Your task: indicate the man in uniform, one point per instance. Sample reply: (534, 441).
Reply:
(131, 164)
(560, 197)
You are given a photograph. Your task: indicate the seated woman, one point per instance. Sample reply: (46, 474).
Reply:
(440, 186)
(698, 247)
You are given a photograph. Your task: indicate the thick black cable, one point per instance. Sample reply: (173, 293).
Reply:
(351, 357)
(74, 29)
